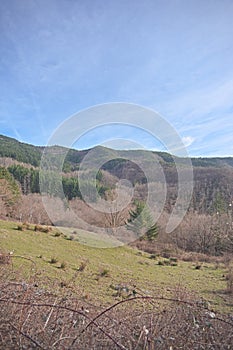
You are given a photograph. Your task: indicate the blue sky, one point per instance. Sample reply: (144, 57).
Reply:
(58, 57)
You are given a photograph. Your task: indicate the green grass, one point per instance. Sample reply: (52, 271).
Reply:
(91, 238)
(124, 266)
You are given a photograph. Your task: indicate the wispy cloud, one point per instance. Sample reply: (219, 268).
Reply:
(188, 140)
(199, 102)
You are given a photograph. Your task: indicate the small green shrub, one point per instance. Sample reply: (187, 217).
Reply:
(167, 262)
(104, 273)
(63, 265)
(153, 256)
(53, 260)
(57, 234)
(173, 259)
(69, 238)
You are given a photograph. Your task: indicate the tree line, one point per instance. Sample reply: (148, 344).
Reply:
(29, 180)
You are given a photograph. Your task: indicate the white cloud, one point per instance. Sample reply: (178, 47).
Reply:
(188, 140)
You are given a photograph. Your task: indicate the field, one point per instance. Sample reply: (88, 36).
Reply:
(98, 278)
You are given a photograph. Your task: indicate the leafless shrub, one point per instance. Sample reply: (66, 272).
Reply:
(159, 248)
(229, 279)
(34, 318)
(227, 259)
(82, 266)
(26, 225)
(194, 257)
(5, 258)
(41, 228)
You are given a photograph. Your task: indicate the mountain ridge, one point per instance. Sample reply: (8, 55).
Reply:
(31, 154)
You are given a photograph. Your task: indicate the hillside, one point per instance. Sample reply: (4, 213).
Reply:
(209, 219)
(106, 267)
(106, 298)
(213, 176)
(60, 290)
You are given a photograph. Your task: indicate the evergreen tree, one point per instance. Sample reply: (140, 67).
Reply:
(141, 222)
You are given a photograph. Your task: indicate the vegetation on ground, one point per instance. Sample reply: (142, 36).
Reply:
(45, 251)
(59, 294)
(59, 290)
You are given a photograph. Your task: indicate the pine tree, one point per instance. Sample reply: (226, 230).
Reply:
(141, 222)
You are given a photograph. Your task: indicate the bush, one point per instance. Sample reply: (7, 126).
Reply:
(63, 265)
(57, 234)
(166, 254)
(82, 266)
(41, 228)
(173, 259)
(197, 266)
(5, 258)
(26, 226)
(192, 256)
(67, 321)
(53, 260)
(104, 273)
(167, 262)
(70, 238)
(153, 256)
(229, 279)
(38, 228)
(23, 226)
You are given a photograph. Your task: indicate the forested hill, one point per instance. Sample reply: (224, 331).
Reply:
(213, 177)
(19, 151)
(30, 154)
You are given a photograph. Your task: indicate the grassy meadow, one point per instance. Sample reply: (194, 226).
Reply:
(98, 274)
